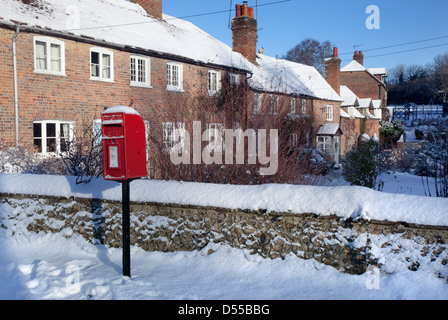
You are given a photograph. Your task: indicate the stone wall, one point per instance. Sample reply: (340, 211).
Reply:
(349, 246)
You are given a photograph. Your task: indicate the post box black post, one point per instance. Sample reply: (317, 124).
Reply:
(124, 156)
(126, 227)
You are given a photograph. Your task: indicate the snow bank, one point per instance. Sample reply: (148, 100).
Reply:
(342, 201)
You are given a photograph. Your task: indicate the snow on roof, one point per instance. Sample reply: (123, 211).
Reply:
(278, 75)
(365, 103)
(348, 97)
(344, 114)
(356, 66)
(353, 66)
(355, 113)
(124, 23)
(328, 129)
(377, 104)
(376, 71)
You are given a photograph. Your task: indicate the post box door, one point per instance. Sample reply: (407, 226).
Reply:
(114, 162)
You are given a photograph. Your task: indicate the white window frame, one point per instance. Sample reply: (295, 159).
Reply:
(329, 112)
(175, 76)
(235, 78)
(274, 103)
(258, 100)
(44, 138)
(171, 132)
(293, 105)
(303, 103)
(135, 71)
(325, 144)
(101, 53)
(49, 42)
(213, 82)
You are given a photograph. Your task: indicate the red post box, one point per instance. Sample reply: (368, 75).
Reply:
(124, 144)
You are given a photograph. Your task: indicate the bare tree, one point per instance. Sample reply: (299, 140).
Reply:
(441, 75)
(436, 159)
(83, 156)
(310, 52)
(298, 161)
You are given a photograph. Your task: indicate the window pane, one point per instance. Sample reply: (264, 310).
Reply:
(37, 130)
(106, 66)
(141, 70)
(41, 55)
(133, 71)
(55, 53)
(94, 64)
(38, 145)
(51, 130)
(168, 74)
(51, 145)
(175, 75)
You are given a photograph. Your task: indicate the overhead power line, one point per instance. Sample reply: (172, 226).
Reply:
(174, 18)
(397, 45)
(403, 51)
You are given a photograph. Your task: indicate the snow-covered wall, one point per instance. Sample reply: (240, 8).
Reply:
(344, 202)
(349, 246)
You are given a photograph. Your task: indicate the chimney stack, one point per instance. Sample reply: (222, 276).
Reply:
(244, 32)
(152, 7)
(333, 71)
(359, 57)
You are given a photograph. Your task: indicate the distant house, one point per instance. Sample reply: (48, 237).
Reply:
(360, 115)
(299, 88)
(366, 83)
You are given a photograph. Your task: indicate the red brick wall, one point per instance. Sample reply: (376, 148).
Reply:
(7, 121)
(332, 73)
(152, 7)
(75, 97)
(372, 127)
(364, 85)
(244, 37)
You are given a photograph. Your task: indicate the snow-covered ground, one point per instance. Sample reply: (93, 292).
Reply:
(52, 266)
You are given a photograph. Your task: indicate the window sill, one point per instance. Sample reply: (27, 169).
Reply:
(102, 80)
(175, 89)
(51, 73)
(141, 85)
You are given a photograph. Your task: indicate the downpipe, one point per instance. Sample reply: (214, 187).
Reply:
(16, 91)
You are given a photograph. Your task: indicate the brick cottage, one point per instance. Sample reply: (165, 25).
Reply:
(62, 64)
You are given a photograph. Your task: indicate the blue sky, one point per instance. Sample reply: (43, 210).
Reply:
(283, 25)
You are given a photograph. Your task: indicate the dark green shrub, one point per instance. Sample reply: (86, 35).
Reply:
(361, 165)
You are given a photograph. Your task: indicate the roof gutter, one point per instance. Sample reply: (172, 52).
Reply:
(16, 92)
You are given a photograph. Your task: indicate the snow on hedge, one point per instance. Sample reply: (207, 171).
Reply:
(342, 201)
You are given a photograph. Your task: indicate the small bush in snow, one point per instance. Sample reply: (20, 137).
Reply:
(361, 165)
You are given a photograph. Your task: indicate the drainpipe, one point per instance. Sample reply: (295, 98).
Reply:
(16, 94)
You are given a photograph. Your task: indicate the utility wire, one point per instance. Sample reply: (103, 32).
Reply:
(397, 45)
(174, 18)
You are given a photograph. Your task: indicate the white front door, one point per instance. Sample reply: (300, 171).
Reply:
(336, 148)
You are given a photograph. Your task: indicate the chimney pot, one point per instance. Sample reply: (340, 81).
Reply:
(238, 10)
(335, 52)
(359, 57)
